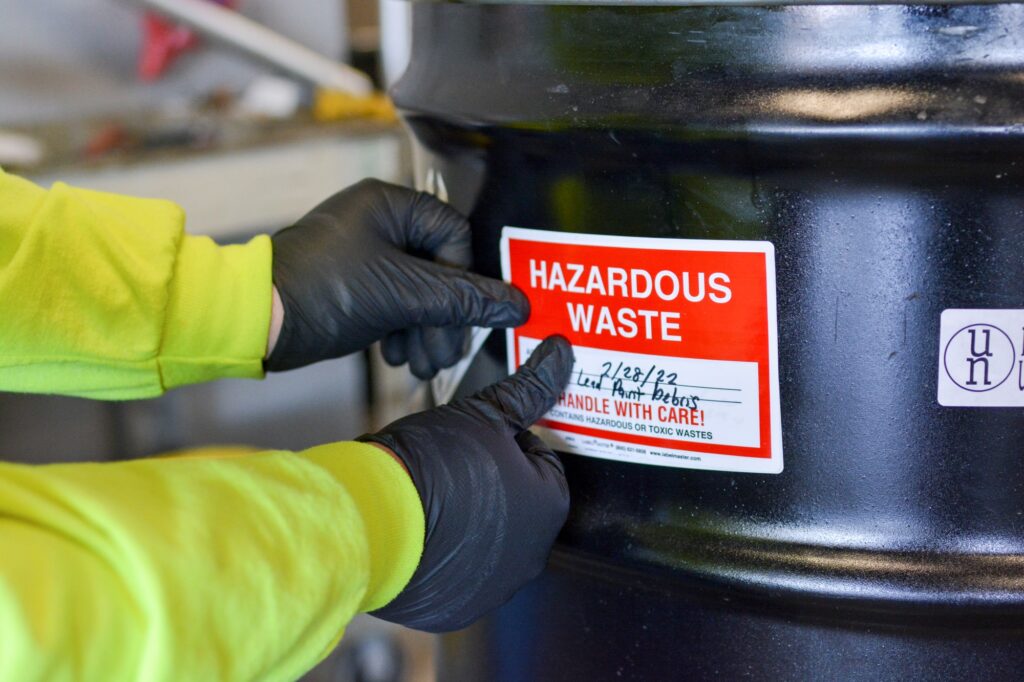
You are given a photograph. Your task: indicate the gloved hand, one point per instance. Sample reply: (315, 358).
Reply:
(494, 496)
(378, 261)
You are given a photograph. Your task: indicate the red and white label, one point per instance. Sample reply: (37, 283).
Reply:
(675, 343)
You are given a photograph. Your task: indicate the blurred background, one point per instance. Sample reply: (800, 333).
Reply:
(112, 95)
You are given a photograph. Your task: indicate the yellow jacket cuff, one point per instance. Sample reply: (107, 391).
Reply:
(218, 312)
(391, 511)
(104, 296)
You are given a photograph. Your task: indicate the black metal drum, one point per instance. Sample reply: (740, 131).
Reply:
(881, 150)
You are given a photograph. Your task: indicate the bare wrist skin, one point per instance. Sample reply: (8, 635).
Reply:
(276, 320)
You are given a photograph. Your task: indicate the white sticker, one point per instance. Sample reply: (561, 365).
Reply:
(981, 358)
(675, 344)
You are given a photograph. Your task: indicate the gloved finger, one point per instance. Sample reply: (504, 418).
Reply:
(435, 228)
(419, 361)
(535, 448)
(392, 347)
(445, 345)
(523, 398)
(412, 221)
(449, 297)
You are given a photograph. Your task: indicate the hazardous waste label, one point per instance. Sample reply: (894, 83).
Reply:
(675, 344)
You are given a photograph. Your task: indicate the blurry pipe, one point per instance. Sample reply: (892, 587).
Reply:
(395, 38)
(233, 29)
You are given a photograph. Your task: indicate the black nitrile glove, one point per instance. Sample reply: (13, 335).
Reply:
(494, 496)
(378, 261)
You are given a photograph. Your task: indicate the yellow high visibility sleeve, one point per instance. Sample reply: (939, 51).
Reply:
(105, 296)
(211, 567)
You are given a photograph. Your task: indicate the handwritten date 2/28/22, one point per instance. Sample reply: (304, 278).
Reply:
(636, 382)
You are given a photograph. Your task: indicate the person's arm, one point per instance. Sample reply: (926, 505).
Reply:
(217, 568)
(105, 296)
(249, 567)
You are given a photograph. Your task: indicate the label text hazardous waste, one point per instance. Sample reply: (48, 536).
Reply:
(674, 341)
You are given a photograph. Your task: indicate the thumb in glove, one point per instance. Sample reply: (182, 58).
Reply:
(376, 261)
(494, 495)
